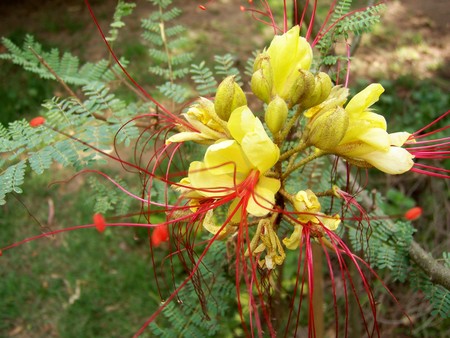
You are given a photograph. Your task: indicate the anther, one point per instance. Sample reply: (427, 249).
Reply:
(99, 222)
(413, 213)
(37, 121)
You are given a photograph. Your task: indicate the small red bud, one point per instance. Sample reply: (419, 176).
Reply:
(160, 234)
(1, 253)
(242, 8)
(203, 8)
(413, 213)
(37, 121)
(250, 1)
(99, 222)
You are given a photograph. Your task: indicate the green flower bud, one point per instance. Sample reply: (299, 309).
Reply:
(302, 87)
(322, 89)
(262, 78)
(229, 96)
(326, 130)
(276, 114)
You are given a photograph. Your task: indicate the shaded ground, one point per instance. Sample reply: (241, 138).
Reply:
(414, 37)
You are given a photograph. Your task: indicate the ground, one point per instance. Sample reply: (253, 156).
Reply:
(414, 37)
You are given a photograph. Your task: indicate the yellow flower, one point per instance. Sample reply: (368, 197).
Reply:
(307, 203)
(203, 118)
(365, 141)
(308, 206)
(236, 167)
(283, 69)
(288, 53)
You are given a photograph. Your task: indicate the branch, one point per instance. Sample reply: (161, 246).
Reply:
(437, 273)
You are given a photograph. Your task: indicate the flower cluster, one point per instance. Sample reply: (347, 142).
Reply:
(243, 168)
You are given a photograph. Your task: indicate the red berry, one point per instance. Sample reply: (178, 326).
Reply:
(203, 8)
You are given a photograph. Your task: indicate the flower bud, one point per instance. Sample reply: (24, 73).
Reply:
(229, 96)
(327, 129)
(262, 78)
(302, 87)
(276, 114)
(322, 89)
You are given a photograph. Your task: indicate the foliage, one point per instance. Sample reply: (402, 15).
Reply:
(97, 114)
(344, 22)
(168, 49)
(185, 317)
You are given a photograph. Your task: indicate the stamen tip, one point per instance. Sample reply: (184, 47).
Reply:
(160, 234)
(99, 222)
(37, 121)
(413, 213)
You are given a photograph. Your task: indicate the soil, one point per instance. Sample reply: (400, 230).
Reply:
(414, 37)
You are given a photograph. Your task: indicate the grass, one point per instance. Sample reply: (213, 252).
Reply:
(79, 284)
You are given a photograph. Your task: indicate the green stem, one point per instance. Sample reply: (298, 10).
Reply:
(290, 124)
(300, 147)
(300, 164)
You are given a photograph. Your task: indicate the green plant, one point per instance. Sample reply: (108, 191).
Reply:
(96, 123)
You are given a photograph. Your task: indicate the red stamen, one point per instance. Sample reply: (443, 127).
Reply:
(413, 213)
(37, 121)
(99, 222)
(160, 235)
(203, 8)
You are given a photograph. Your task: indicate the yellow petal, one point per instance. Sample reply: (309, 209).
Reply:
(187, 136)
(288, 53)
(241, 122)
(206, 183)
(395, 161)
(330, 222)
(226, 157)
(364, 99)
(357, 142)
(210, 226)
(263, 198)
(399, 139)
(260, 150)
(293, 241)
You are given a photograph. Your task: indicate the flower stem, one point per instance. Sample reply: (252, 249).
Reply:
(300, 147)
(300, 164)
(284, 133)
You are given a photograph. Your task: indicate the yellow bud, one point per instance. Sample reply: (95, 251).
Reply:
(229, 96)
(302, 87)
(262, 79)
(326, 130)
(259, 60)
(276, 114)
(322, 89)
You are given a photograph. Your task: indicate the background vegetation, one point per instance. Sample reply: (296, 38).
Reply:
(92, 285)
